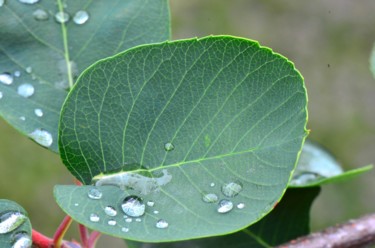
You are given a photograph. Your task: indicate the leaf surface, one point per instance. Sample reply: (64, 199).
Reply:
(179, 117)
(49, 55)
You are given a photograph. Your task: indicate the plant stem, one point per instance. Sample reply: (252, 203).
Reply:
(84, 234)
(41, 241)
(93, 239)
(355, 233)
(61, 230)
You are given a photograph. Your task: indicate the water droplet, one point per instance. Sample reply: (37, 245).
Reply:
(110, 211)
(29, 69)
(22, 118)
(231, 189)
(112, 222)
(6, 78)
(28, 1)
(94, 218)
(81, 17)
(17, 73)
(10, 221)
(150, 203)
(38, 112)
(156, 212)
(133, 206)
(138, 220)
(25, 90)
(2, 2)
(241, 205)
(212, 184)
(224, 206)
(76, 204)
(210, 198)
(125, 229)
(94, 194)
(40, 15)
(42, 137)
(162, 224)
(22, 240)
(304, 178)
(129, 220)
(1, 94)
(62, 17)
(168, 147)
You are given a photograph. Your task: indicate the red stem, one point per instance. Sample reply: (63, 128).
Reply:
(93, 239)
(41, 241)
(84, 234)
(61, 230)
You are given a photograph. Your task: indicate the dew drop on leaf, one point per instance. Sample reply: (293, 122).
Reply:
(2, 2)
(224, 206)
(110, 211)
(28, 1)
(168, 147)
(241, 205)
(112, 222)
(22, 240)
(38, 112)
(94, 218)
(29, 69)
(133, 206)
(10, 221)
(94, 194)
(62, 17)
(125, 229)
(304, 178)
(150, 203)
(138, 220)
(128, 220)
(212, 184)
(81, 17)
(40, 15)
(25, 90)
(162, 224)
(210, 198)
(156, 212)
(22, 118)
(1, 94)
(6, 78)
(17, 73)
(231, 189)
(42, 137)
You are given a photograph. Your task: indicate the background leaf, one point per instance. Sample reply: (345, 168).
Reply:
(205, 112)
(37, 50)
(23, 230)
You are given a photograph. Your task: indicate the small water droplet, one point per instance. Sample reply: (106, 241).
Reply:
(22, 118)
(42, 137)
(22, 240)
(17, 73)
(1, 94)
(162, 224)
(28, 1)
(26, 90)
(212, 184)
(112, 222)
(110, 211)
(129, 220)
(9, 221)
(94, 218)
(168, 147)
(40, 15)
(138, 220)
(62, 17)
(6, 78)
(133, 206)
(241, 205)
(210, 198)
(94, 194)
(76, 204)
(150, 203)
(125, 229)
(224, 206)
(231, 189)
(29, 69)
(81, 17)
(156, 212)
(38, 112)
(2, 2)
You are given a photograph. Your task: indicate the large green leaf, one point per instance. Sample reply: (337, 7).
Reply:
(15, 226)
(49, 55)
(179, 117)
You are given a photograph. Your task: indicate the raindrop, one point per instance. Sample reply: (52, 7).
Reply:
(110, 211)
(94, 218)
(95, 194)
(231, 189)
(210, 198)
(10, 221)
(129, 220)
(133, 206)
(2, 2)
(240, 205)
(6, 78)
(29, 69)
(42, 137)
(1, 94)
(112, 222)
(28, 1)
(22, 118)
(81, 17)
(138, 220)
(161, 224)
(150, 203)
(156, 212)
(212, 184)
(17, 73)
(125, 229)
(40, 15)
(38, 112)
(22, 240)
(76, 204)
(62, 17)
(224, 206)
(25, 90)
(168, 147)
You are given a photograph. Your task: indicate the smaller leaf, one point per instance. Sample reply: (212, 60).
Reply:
(15, 226)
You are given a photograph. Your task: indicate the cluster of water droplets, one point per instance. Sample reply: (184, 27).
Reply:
(11, 221)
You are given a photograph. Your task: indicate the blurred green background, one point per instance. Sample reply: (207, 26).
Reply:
(330, 42)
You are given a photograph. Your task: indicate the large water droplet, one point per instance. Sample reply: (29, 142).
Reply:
(10, 221)
(168, 147)
(38, 112)
(28, 1)
(125, 229)
(81, 17)
(110, 211)
(231, 189)
(133, 206)
(112, 222)
(1, 94)
(29, 69)
(42, 137)
(25, 90)
(224, 206)
(62, 17)
(94, 194)
(210, 198)
(162, 224)
(40, 15)
(94, 218)
(17, 73)
(241, 205)
(150, 203)
(22, 240)
(6, 78)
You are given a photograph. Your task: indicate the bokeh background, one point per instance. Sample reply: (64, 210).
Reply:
(329, 41)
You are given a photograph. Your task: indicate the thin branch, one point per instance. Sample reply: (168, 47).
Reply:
(61, 230)
(355, 233)
(40, 240)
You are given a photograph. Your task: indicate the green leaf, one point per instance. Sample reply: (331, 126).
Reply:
(178, 117)
(49, 55)
(14, 224)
